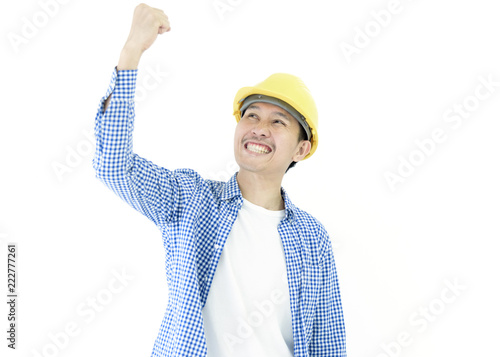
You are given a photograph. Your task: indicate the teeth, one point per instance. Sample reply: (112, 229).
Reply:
(258, 148)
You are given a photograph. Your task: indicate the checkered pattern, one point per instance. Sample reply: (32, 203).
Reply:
(195, 217)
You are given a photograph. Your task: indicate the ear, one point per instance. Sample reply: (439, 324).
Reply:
(303, 149)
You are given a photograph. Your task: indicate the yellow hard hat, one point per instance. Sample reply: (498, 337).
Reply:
(289, 89)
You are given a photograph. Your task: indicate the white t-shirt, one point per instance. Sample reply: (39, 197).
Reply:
(247, 313)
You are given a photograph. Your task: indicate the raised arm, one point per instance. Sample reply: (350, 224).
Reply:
(152, 190)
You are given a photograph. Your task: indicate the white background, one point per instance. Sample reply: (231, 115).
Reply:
(395, 249)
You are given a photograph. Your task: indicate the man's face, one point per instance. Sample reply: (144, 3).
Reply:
(266, 140)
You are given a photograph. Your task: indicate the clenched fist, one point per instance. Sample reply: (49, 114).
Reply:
(147, 24)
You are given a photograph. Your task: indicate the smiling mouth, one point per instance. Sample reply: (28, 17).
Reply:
(258, 148)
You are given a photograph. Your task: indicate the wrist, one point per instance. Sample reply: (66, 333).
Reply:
(129, 57)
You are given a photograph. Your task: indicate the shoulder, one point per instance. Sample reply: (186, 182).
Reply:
(196, 185)
(310, 225)
(306, 221)
(190, 178)
(313, 234)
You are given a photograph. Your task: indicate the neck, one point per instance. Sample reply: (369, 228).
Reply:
(260, 190)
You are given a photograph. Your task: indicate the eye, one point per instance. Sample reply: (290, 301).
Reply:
(279, 122)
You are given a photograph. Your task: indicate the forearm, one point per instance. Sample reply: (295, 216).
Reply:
(129, 60)
(113, 128)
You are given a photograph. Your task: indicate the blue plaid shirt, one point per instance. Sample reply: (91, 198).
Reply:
(195, 217)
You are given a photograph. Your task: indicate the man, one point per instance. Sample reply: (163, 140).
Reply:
(249, 274)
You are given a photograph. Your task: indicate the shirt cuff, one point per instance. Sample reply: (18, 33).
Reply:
(122, 84)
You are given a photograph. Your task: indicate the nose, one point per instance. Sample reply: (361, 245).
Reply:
(261, 129)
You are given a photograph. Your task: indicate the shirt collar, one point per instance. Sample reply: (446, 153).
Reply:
(289, 206)
(232, 190)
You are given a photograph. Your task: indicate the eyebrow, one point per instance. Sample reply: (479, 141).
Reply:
(283, 115)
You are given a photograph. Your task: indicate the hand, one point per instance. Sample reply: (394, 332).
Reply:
(147, 24)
